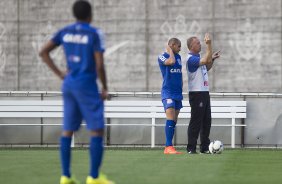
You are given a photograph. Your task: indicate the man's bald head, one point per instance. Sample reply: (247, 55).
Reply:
(173, 41)
(190, 41)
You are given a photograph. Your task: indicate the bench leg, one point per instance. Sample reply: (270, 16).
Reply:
(153, 133)
(233, 133)
(72, 140)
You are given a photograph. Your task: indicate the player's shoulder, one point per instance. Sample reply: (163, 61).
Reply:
(163, 55)
(67, 28)
(191, 56)
(63, 30)
(95, 30)
(188, 56)
(194, 55)
(83, 27)
(193, 62)
(70, 26)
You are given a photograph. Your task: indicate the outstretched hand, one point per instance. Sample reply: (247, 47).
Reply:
(216, 55)
(207, 38)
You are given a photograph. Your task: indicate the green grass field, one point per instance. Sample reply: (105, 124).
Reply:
(240, 166)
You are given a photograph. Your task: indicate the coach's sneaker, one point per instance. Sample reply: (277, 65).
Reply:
(192, 152)
(205, 152)
(171, 150)
(102, 179)
(67, 180)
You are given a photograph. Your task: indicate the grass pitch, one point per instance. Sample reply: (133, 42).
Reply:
(240, 166)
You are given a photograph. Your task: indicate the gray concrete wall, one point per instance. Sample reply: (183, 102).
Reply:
(247, 31)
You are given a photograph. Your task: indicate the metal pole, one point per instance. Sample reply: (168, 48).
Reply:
(108, 132)
(72, 140)
(41, 127)
(243, 129)
(233, 133)
(153, 132)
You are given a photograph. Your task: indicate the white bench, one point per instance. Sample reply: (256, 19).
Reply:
(122, 109)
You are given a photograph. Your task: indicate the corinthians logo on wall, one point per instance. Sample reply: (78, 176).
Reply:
(246, 42)
(180, 28)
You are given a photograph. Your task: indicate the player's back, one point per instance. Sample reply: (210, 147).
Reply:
(80, 41)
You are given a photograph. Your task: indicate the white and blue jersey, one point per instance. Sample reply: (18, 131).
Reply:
(197, 74)
(80, 91)
(172, 77)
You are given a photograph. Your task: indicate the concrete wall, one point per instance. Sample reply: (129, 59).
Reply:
(247, 31)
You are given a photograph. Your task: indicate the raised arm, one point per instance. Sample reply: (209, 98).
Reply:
(171, 59)
(207, 59)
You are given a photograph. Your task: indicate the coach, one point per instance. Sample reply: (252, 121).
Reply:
(197, 69)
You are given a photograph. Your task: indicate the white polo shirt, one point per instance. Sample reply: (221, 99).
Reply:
(198, 79)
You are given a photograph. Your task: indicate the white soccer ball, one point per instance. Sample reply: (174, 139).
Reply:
(216, 147)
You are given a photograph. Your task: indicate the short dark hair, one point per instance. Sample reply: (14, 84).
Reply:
(174, 41)
(189, 41)
(82, 10)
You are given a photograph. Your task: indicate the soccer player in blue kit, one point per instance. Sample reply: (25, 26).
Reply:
(171, 69)
(83, 47)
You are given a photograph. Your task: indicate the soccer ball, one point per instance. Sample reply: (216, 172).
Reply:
(216, 147)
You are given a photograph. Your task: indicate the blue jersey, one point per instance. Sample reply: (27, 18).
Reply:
(80, 41)
(172, 77)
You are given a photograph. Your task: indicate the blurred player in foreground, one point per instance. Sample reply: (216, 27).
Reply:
(83, 46)
(171, 69)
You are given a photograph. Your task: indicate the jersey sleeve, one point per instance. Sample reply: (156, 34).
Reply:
(57, 38)
(193, 63)
(162, 58)
(99, 41)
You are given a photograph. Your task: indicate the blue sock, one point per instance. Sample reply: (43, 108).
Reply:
(65, 151)
(169, 132)
(96, 155)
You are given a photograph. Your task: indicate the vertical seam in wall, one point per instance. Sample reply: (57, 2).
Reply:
(213, 35)
(18, 45)
(93, 11)
(147, 45)
(281, 44)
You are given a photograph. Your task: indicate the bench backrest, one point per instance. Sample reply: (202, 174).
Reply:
(118, 109)
(139, 109)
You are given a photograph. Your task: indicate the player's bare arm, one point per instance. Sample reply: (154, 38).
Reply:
(99, 59)
(207, 59)
(45, 55)
(215, 55)
(171, 59)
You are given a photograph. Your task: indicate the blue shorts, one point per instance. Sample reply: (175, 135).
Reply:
(170, 103)
(82, 105)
